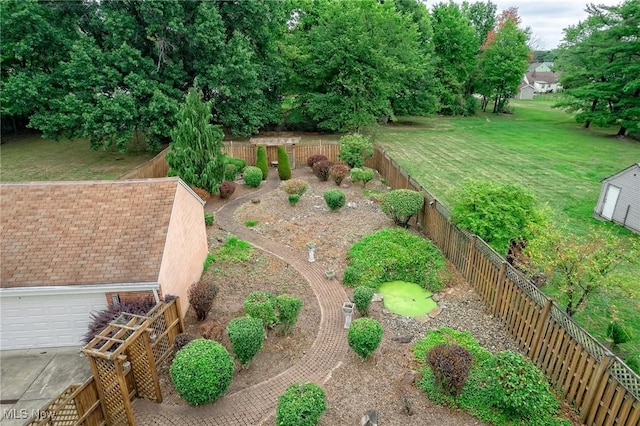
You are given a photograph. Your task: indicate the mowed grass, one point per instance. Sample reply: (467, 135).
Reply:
(35, 159)
(544, 150)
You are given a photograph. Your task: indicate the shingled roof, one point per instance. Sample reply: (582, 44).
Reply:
(79, 233)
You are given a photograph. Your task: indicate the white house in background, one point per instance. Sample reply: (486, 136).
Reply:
(619, 199)
(70, 248)
(543, 82)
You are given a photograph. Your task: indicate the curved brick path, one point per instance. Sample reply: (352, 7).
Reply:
(252, 406)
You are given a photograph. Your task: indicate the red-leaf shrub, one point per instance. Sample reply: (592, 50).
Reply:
(227, 188)
(101, 319)
(450, 365)
(201, 295)
(315, 158)
(338, 172)
(321, 169)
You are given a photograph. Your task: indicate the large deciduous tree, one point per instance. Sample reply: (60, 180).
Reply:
(600, 63)
(351, 60)
(196, 149)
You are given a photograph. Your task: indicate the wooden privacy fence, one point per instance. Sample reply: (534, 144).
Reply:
(588, 375)
(124, 359)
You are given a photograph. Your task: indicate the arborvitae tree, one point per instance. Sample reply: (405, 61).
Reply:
(261, 161)
(284, 170)
(196, 151)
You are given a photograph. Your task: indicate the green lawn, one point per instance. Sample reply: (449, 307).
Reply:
(544, 150)
(33, 159)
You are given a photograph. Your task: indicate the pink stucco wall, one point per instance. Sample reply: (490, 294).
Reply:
(186, 246)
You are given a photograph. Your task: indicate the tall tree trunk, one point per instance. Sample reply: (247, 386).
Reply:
(495, 104)
(622, 132)
(586, 124)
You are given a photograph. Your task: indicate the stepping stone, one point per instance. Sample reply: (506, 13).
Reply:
(435, 312)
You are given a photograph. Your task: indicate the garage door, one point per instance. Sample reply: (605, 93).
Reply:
(38, 321)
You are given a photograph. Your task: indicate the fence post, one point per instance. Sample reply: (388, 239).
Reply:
(502, 278)
(542, 319)
(471, 259)
(588, 410)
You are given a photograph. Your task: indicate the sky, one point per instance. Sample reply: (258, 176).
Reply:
(547, 18)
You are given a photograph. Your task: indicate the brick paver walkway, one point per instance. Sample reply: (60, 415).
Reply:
(252, 406)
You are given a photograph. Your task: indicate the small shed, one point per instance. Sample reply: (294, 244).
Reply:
(526, 91)
(619, 199)
(272, 144)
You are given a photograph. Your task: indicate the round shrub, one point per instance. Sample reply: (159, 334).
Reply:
(182, 340)
(284, 169)
(238, 162)
(354, 149)
(335, 199)
(301, 404)
(201, 371)
(261, 305)
(394, 254)
(252, 176)
(288, 307)
(450, 365)
(227, 189)
(362, 296)
(315, 158)
(246, 335)
(321, 169)
(617, 333)
(230, 172)
(363, 175)
(262, 162)
(515, 385)
(295, 186)
(401, 204)
(293, 199)
(364, 336)
(338, 172)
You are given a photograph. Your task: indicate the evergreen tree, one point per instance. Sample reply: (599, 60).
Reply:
(261, 161)
(284, 169)
(196, 149)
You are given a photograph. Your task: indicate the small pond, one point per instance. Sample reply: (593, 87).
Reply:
(407, 299)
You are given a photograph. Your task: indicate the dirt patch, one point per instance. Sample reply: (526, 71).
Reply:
(384, 382)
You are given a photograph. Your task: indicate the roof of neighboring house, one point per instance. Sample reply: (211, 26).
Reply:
(534, 65)
(547, 77)
(634, 165)
(90, 232)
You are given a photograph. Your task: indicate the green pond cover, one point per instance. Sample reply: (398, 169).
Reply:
(408, 299)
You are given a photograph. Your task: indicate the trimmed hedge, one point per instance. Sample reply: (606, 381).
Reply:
(401, 205)
(338, 172)
(246, 335)
(364, 336)
(321, 169)
(284, 169)
(335, 199)
(288, 308)
(394, 255)
(301, 404)
(262, 162)
(295, 186)
(262, 305)
(363, 175)
(362, 296)
(252, 176)
(202, 371)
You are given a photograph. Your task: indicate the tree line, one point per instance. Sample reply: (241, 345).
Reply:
(113, 70)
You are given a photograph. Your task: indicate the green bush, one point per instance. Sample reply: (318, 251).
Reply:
(364, 336)
(208, 218)
(363, 175)
(239, 163)
(338, 172)
(293, 199)
(362, 298)
(288, 307)
(355, 149)
(444, 335)
(633, 362)
(617, 333)
(261, 161)
(284, 169)
(335, 199)
(497, 213)
(401, 205)
(394, 255)
(201, 371)
(261, 305)
(301, 404)
(246, 335)
(230, 172)
(515, 385)
(450, 365)
(252, 176)
(295, 186)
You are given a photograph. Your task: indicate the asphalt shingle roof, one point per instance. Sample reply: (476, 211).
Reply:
(78, 233)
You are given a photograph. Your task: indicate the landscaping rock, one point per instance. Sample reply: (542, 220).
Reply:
(434, 313)
(212, 330)
(403, 339)
(436, 297)
(377, 297)
(370, 418)
(410, 377)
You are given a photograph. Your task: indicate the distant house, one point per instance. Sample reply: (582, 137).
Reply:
(619, 199)
(525, 91)
(540, 67)
(70, 248)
